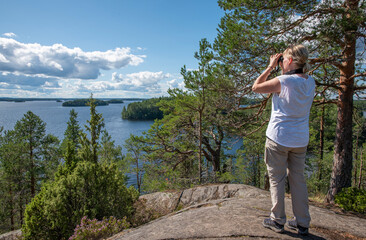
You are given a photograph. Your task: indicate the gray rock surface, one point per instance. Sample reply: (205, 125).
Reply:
(233, 211)
(13, 235)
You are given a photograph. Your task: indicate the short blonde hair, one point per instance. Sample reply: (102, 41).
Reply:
(299, 55)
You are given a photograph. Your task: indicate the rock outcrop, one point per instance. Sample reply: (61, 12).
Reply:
(232, 211)
(13, 235)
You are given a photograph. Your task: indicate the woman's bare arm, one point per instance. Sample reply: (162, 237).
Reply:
(261, 85)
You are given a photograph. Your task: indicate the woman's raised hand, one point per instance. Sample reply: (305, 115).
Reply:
(273, 62)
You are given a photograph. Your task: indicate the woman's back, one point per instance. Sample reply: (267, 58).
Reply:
(289, 125)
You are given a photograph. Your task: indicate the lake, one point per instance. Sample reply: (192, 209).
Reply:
(55, 116)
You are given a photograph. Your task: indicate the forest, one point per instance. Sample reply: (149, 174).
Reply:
(115, 101)
(50, 188)
(144, 110)
(83, 103)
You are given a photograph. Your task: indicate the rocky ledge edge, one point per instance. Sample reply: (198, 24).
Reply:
(226, 211)
(232, 211)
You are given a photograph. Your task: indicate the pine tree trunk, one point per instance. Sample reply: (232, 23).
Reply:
(342, 162)
(200, 149)
(259, 171)
(21, 209)
(138, 175)
(216, 156)
(254, 171)
(360, 176)
(11, 210)
(355, 167)
(321, 150)
(32, 172)
(21, 200)
(201, 109)
(207, 169)
(359, 132)
(266, 181)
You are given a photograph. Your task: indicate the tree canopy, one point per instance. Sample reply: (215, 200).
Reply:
(84, 103)
(144, 110)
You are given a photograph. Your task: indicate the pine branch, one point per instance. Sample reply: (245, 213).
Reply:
(307, 38)
(257, 129)
(327, 60)
(358, 75)
(333, 85)
(321, 102)
(363, 87)
(304, 18)
(312, 70)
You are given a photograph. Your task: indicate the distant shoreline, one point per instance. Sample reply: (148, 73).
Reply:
(6, 99)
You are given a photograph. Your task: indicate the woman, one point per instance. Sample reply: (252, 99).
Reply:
(288, 135)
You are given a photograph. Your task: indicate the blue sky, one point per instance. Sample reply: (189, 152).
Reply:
(112, 48)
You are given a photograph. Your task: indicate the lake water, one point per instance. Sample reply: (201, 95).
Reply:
(55, 116)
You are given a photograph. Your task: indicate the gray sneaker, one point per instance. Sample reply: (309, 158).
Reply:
(292, 224)
(273, 225)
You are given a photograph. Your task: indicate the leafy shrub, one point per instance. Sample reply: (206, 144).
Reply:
(352, 199)
(92, 190)
(93, 229)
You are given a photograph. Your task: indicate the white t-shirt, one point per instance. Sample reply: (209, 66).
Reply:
(289, 123)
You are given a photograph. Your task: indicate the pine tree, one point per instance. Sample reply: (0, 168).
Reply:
(90, 184)
(89, 146)
(73, 129)
(135, 158)
(196, 82)
(110, 153)
(71, 143)
(194, 129)
(13, 182)
(40, 150)
(253, 30)
(28, 158)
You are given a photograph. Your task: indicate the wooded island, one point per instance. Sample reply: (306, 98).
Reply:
(84, 102)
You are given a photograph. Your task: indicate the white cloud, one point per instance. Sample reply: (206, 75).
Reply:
(175, 83)
(9, 34)
(51, 85)
(61, 62)
(154, 84)
(35, 70)
(141, 81)
(146, 84)
(25, 79)
(3, 58)
(6, 86)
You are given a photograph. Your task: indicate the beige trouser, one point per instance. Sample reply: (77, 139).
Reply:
(282, 161)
